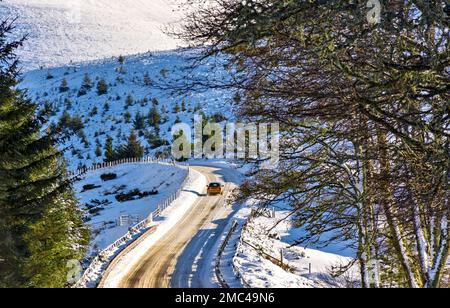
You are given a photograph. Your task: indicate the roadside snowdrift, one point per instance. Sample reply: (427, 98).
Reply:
(262, 250)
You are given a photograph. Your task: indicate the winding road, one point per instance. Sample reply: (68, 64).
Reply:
(184, 257)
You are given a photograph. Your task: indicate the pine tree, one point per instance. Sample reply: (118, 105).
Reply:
(40, 223)
(102, 87)
(139, 121)
(98, 151)
(155, 141)
(86, 85)
(64, 87)
(127, 117)
(176, 108)
(133, 148)
(87, 82)
(154, 118)
(129, 101)
(110, 155)
(121, 60)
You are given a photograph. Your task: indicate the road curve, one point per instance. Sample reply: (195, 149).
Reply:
(184, 256)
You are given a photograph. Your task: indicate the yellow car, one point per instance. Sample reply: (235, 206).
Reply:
(215, 189)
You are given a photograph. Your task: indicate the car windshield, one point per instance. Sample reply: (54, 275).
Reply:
(214, 185)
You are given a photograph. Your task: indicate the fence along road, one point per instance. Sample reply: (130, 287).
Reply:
(105, 256)
(182, 258)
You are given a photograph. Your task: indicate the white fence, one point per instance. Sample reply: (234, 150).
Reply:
(107, 255)
(143, 160)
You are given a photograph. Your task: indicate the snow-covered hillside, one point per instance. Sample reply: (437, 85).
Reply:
(130, 94)
(79, 30)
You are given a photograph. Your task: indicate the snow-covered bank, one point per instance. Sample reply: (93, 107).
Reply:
(132, 224)
(61, 32)
(264, 260)
(168, 220)
(111, 219)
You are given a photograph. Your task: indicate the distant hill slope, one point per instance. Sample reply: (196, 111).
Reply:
(130, 92)
(79, 30)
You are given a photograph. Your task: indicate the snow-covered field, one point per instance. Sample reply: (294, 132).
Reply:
(262, 247)
(67, 31)
(114, 218)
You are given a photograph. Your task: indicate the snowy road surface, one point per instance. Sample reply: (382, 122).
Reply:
(184, 257)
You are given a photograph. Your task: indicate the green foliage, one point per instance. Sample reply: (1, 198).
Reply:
(129, 101)
(102, 87)
(70, 124)
(121, 60)
(135, 194)
(86, 85)
(133, 148)
(154, 118)
(110, 155)
(139, 121)
(40, 224)
(98, 151)
(176, 108)
(64, 87)
(155, 141)
(108, 177)
(127, 117)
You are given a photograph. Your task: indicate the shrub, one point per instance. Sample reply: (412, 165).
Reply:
(90, 187)
(95, 211)
(135, 195)
(108, 177)
(132, 195)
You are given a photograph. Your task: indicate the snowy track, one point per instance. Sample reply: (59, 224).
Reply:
(184, 256)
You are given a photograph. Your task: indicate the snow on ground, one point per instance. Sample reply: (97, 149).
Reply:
(106, 224)
(105, 115)
(206, 251)
(167, 221)
(261, 270)
(67, 31)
